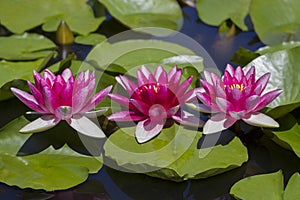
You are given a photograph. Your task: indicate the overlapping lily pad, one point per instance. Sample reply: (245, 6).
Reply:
(146, 13)
(214, 12)
(133, 53)
(19, 16)
(276, 21)
(50, 169)
(288, 135)
(27, 46)
(15, 74)
(173, 155)
(267, 186)
(282, 65)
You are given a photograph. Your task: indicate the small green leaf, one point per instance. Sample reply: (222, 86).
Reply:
(266, 186)
(243, 56)
(91, 39)
(28, 46)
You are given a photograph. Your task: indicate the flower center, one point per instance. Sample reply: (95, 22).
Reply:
(241, 87)
(157, 111)
(63, 112)
(156, 94)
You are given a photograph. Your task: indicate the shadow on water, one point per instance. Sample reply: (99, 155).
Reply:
(57, 137)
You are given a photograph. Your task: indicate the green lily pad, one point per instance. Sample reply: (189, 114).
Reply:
(214, 12)
(146, 13)
(288, 134)
(28, 46)
(278, 47)
(267, 186)
(14, 74)
(133, 53)
(276, 21)
(91, 39)
(19, 16)
(173, 155)
(283, 66)
(49, 169)
(292, 189)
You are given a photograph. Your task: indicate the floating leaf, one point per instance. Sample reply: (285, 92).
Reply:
(19, 16)
(279, 47)
(292, 189)
(214, 12)
(283, 66)
(243, 56)
(173, 155)
(276, 21)
(288, 134)
(134, 53)
(49, 169)
(91, 39)
(14, 74)
(266, 186)
(146, 13)
(28, 46)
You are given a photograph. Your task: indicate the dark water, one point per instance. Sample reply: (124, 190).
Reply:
(264, 155)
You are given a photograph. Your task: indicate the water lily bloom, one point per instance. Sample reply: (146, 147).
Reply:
(238, 96)
(62, 97)
(157, 97)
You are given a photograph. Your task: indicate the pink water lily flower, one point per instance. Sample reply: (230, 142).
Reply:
(238, 96)
(62, 97)
(157, 97)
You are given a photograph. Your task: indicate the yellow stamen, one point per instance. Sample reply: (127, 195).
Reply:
(241, 87)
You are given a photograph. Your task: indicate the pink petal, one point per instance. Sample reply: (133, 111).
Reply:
(27, 99)
(147, 129)
(261, 120)
(175, 79)
(218, 123)
(261, 83)
(96, 99)
(250, 74)
(80, 99)
(251, 102)
(239, 73)
(230, 70)
(141, 106)
(188, 119)
(126, 116)
(224, 105)
(204, 99)
(67, 74)
(127, 84)
(184, 86)
(36, 93)
(267, 98)
(49, 76)
(51, 99)
(86, 127)
(172, 72)
(123, 101)
(161, 75)
(40, 124)
(37, 79)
